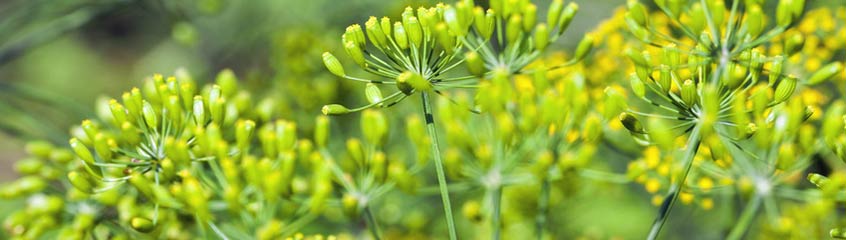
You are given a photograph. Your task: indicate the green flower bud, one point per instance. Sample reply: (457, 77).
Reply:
(414, 80)
(321, 131)
(385, 23)
(82, 151)
(414, 31)
(355, 53)
(150, 117)
(400, 36)
(754, 20)
(243, 131)
(541, 37)
(631, 123)
(777, 69)
(81, 182)
(103, 146)
(688, 93)
(228, 82)
(585, 46)
(455, 22)
(554, 13)
(475, 64)
(784, 13)
(638, 87)
(378, 166)
(818, 180)
(530, 17)
(734, 76)
(90, 128)
(375, 33)
(665, 81)
(334, 109)
(592, 128)
(615, 102)
(567, 16)
(785, 89)
(286, 132)
(374, 126)
(637, 12)
(142, 224)
(825, 73)
(793, 43)
(333, 64)
(640, 32)
(484, 22)
(373, 93)
(350, 206)
(29, 166)
(638, 58)
(41, 149)
(355, 35)
(199, 111)
(119, 113)
(445, 38)
(472, 210)
(513, 29)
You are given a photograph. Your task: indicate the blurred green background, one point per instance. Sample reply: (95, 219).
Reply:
(58, 57)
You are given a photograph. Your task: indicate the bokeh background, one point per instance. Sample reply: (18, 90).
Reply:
(58, 57)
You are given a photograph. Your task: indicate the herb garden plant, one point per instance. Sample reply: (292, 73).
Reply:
(475, 123)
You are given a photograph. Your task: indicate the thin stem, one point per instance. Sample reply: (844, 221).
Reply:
(664, 212)
(745, 218)
(496, 221)
(543, 205)
(439, 165)
(371, 223)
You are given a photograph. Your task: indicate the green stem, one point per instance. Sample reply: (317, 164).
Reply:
(371, 224)
(745, 218)
(439, 164)
(664, 212)
(543, 205)
(496, 220)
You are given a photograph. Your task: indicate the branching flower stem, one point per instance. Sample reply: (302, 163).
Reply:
(371, 224)
(673, 195)
(745, 218)
(439, 165)
(496, 221)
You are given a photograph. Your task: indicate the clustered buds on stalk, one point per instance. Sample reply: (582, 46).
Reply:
(421, 51)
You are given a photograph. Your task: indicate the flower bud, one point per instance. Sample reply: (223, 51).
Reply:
(373, 93)
(513, 29)
(638, 87)
(472, 210)
(81, 182)
(82, 151)
(375, 33)
(374, 126)
(688, 93)
(445, 38)
(541, 37)
(286, 133)
(585, 46)
(142, 224)
(355, 53)
(592, 128)
(333, 64)
(103, 146)
(785, 89)
(378, 166)
(819, 180)
(334, 109)
(637, 12)
(243, 131)
(777, 69)
(615, 102)
(793, 43)
(825, 73)
(321, 131)
(784, 13)
(455, 22)
(665, 81)
(355, 35)
(554, 13)
(400, 36)
(567, 16)
(414, 31)
(414, 80)
(484, 22)
(90, 128)
(530, 17)
(475, 64)
(754, 20)
(631, 123)
(350, 206)
(228, 82)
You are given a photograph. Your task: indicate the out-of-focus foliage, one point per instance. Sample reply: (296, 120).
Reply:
(731, 109)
